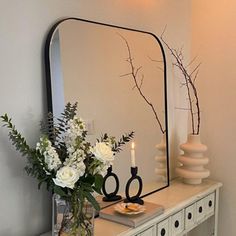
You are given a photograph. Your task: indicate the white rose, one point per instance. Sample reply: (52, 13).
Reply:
(66, 177)
(103, 152)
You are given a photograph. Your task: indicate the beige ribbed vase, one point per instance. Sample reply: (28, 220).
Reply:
(193, 161)
(161, 168)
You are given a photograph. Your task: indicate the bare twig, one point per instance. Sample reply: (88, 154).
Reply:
(191, 62)
(195, 76)
(181, 108)
(158, 61)
(134, 74)
(189, 82)
(195, 69)
(125, 74)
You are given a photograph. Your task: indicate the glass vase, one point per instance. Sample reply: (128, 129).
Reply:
(65, 223)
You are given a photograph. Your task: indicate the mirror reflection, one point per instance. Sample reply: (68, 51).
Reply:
(117, 76)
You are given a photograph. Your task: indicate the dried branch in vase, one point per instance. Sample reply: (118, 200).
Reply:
(189, 77)
(138, 82)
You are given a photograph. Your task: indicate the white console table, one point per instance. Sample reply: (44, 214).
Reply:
(186, 206)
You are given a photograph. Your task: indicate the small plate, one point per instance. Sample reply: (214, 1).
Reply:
(129, 208)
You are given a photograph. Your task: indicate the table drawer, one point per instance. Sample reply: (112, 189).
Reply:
(190, 216)
(163, 228)
(149, 232)
(201, 210)
(210, 203)
(177, 223)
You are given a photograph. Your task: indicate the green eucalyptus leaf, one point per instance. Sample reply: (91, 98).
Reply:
(88, 188)
(92, 200)
(41, 181)
(98, 181)
(59, 191)
(98, 190)
(89, 179)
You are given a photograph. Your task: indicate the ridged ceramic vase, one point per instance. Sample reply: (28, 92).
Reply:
(160, 169)
(193, 161)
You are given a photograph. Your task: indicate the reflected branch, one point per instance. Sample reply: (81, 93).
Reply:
(134, 74)
(157, 61)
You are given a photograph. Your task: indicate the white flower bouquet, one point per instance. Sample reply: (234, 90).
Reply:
(69, 165)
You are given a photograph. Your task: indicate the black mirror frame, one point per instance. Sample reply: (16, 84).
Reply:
(49, 88)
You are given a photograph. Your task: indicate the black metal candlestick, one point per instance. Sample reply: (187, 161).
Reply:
(110, 197)
(136, 198)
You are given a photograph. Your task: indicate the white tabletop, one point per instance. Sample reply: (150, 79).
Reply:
(172, 198)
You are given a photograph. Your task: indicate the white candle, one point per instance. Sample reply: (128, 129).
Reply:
(132, 155)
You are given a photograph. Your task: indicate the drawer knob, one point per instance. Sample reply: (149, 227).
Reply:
(163, 232)
(210, 203)
(176, 224)
(200, 209)
(189, 215)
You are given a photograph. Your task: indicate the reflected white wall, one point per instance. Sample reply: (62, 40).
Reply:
(94, 58)
(56, 72)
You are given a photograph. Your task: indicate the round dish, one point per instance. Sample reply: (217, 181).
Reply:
(129, 208)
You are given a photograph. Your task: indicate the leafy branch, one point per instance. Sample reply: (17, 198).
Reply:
(134, 73)
(35, 166)
(17, 139)
(55, 128)
(124, 139)
(116, 145)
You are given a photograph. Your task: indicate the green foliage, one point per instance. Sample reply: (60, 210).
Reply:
(54, 129)
(35, 167)
(91, 199)
(58, 190)
(122, 141)
(17, 139)
(98, 182)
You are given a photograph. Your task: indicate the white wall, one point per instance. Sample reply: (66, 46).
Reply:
(25, 211)
(214, 40)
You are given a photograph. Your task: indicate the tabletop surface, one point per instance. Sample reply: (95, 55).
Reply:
(173, 197)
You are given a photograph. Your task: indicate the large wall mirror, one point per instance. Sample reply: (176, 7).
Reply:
(118, 77)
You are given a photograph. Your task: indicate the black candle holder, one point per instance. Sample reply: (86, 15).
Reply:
(110, 197)
(136, 198)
